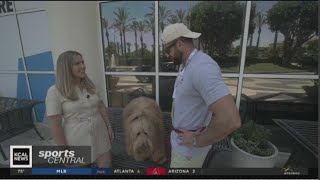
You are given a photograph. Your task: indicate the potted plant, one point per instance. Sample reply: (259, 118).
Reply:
(252, 147)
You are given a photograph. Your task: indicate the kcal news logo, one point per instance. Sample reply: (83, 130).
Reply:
(20, 156)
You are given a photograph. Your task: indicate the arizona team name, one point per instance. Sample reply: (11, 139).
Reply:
(179, 171)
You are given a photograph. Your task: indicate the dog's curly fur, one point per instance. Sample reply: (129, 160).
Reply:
(143, 128)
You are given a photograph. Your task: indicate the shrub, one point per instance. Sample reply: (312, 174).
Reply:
(253, 139)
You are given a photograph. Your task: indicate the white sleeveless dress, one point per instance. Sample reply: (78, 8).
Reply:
(82, 123)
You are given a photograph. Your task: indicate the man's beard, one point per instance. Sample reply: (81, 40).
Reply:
(177, 60)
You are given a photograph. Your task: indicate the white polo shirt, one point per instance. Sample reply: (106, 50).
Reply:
(199, 85)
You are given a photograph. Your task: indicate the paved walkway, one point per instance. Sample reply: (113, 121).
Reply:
(251, 86)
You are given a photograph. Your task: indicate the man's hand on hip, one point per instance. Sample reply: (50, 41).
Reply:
(187, 137)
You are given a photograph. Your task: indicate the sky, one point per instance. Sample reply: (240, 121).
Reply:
(137, 9)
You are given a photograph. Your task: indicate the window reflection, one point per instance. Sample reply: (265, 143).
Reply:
(122, 89)
(166, 87)
(283, 37)
(280, 98)
(128, 35)
(221, 25)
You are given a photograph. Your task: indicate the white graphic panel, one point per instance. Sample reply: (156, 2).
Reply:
(9, 85)
(29, 5)
(34, 32)
(10, 47)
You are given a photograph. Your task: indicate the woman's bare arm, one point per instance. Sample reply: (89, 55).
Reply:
(104, 113)
(57, 130)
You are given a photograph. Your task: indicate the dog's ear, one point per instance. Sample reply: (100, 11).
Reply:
(156, 137)
(150, 144)
(158, 152)
(128, 140)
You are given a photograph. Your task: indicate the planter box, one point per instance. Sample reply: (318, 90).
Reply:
(242, 159)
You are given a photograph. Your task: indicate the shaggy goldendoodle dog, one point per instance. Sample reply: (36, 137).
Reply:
(144, 132)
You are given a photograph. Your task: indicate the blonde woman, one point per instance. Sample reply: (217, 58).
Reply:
(77, 115)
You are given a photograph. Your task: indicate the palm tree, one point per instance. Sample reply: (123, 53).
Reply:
(129, 47)
(106, 25)
(118, 48)
(151, 14)
(122, 15)
(163, 15)
(260, 21)
(149, 22)
(179, 16)
(142, 29)
(117, 26)
(252, 25)
(134, 27)
(173, 19)
(251, 38)
(275, 44)
(188, 17)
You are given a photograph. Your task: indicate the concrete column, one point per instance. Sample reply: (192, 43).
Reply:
(74, 25)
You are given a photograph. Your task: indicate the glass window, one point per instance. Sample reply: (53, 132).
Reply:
(128, 36)
(280, 98)
(221, 25)
(35, 39)
(166, 87)
(232, 83)
(283, 37)
(122, 89)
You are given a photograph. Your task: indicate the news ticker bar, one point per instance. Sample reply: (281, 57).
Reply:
(157, 171)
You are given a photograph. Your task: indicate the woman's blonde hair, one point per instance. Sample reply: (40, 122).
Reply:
(64, 77)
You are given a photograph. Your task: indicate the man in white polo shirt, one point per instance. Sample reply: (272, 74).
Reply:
(203, 110)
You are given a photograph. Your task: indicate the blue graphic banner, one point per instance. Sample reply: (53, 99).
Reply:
(61, 171)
